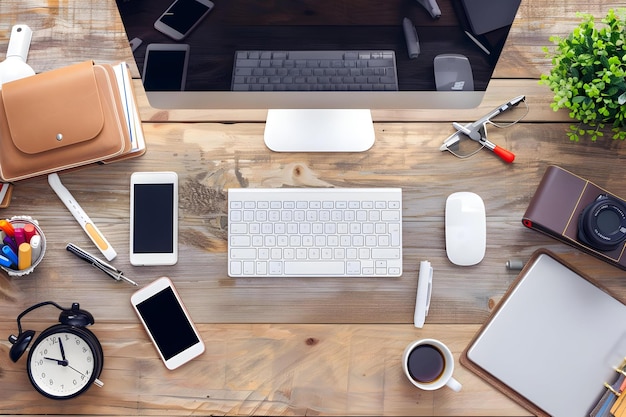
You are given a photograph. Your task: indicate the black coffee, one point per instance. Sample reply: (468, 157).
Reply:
(425, 363)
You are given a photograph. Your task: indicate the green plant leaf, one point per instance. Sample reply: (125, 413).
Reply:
(588, 74)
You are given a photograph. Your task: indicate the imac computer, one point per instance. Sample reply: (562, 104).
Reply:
(256, 54)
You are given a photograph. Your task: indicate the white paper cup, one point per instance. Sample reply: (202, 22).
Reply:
(429, 364)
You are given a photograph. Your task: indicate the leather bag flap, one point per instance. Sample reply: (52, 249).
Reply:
(53, 109)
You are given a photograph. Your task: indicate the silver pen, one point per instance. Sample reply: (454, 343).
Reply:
(97, 263)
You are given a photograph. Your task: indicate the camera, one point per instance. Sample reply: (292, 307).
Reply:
(602, 224)
(579, 213)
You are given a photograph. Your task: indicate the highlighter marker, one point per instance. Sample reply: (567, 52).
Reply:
(19, 236)
(81, 217)
(10, 254)
(29, 231)
(7, 227)
(24, 256)
(10, 243)
(4, 261)
(35, 248)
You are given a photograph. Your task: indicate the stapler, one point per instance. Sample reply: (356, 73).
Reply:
(432, 7)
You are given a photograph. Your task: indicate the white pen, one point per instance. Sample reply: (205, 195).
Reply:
(81, 217)
(424, 289)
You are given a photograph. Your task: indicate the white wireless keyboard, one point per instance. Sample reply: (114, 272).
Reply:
(312, 232)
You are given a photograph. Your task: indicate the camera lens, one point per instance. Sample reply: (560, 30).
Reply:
(602, 224)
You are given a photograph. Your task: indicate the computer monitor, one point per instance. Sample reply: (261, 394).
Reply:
(454, 37)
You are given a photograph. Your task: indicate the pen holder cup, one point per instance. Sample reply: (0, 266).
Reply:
(38, 246)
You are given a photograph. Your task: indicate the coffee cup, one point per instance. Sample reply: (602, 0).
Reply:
(429, 364)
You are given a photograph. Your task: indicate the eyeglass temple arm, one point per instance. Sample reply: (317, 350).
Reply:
(473, 129)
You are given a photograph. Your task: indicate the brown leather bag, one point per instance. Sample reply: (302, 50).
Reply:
(61, 119)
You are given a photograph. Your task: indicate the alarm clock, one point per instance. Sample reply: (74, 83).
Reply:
(66, 358)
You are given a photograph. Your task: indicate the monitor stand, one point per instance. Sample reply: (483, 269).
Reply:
(319, 130)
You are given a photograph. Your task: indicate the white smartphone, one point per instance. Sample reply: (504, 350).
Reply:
(165, 67)
(182, 17)
(167, 322)
(153, 218)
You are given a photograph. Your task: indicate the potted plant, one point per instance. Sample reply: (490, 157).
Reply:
(588, 75)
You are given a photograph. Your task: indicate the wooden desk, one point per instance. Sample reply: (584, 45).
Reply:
(292, 346)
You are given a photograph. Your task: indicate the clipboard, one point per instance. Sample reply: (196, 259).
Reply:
(553, 341)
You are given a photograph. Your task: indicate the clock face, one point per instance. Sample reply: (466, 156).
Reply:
(63, 363)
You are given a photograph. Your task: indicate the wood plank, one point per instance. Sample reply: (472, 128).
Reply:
(279, 370)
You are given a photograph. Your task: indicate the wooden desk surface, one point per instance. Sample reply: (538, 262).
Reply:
(292, 346)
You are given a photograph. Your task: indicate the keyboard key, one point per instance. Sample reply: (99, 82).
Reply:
(240, 253)
(381, 253)
(315, 268)
(240, 241)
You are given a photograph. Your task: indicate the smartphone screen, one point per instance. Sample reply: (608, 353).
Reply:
(184, 14)
(165, 69)
(167, 323)
(153, 227)
(154, 218)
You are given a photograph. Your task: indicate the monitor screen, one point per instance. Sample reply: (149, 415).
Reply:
(443, 52)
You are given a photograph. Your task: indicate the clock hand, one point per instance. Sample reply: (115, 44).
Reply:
(65, 362)
(62, 350)
(74, 369)
(62, 362)
(96, 381)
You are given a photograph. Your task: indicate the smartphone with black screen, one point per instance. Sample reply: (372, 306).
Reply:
(153, 218)
(167, 322)
(165, 67)
(182, 16)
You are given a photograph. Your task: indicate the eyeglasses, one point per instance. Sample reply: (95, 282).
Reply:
(466, 147)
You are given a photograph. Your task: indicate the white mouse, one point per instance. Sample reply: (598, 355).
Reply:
(466, 228)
